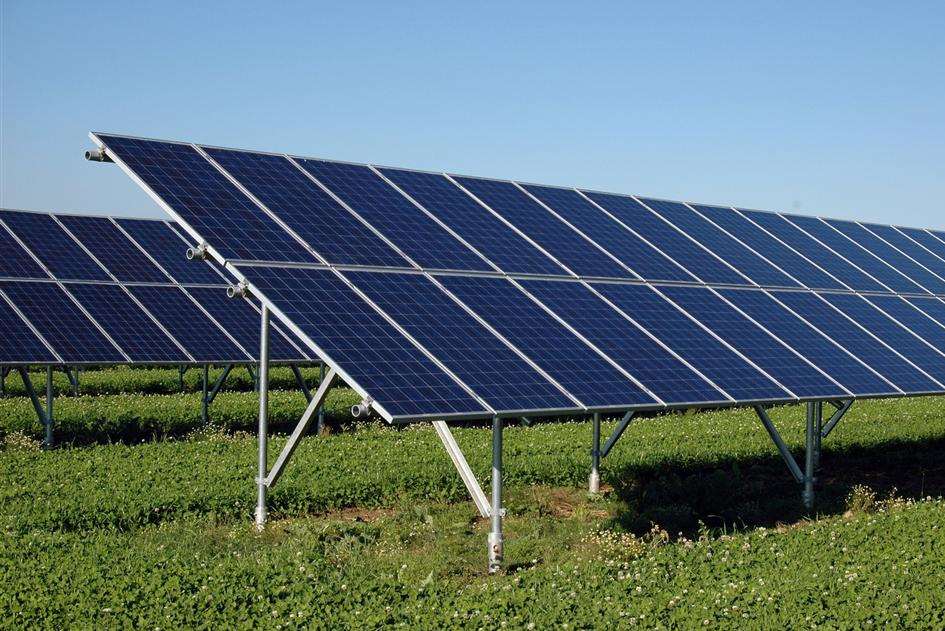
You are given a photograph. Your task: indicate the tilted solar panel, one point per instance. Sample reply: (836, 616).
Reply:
(910, 248)
(927, 239)
(18, 342)
(166, 246)
(59, 252)
(113, 249)
(15, 261)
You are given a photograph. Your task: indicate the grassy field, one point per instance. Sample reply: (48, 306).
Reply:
(699, 525)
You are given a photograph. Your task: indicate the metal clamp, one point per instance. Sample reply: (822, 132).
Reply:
(239, 290)
(198, 253)
(363, 408)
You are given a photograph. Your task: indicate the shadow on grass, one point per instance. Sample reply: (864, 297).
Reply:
(745, 493)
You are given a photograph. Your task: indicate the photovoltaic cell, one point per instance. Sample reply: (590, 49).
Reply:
(403, 380)
(467, 218)
(125, 322)
(932, 307)
(926, 239)
(190, 326)
(652, 365)
(15, 262)
(908, 247)
(717, 362)
(57, 318)
(494, 372)
(113, 249)
(669, 240)
(724, 246)
(394, 216)
(167, 248)
(208, 202)
(309, 211)
(766, 352)
(573, 364)
(53, 246)
(849, 336)
(556, 237)
(891, 260)
(775, 251)
(849, 250)
(846, 370)
(635, 253)
(18, 344)
(242, 321)
(827, 260)
(912, 318)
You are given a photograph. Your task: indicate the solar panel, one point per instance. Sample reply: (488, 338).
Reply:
(908, 247)
(912, 318)
(767, 245)
(188, 324)
(724, 246)
(655, 367)
(367, 348)
(408, 227)
(57, 318)
(669, 240)
(725, 368)
(582, 372)
(166, 247)
(53, 246)
(511, 252)
(891, 257)
(15, 262)
(793, 236)
(645, 260)
(324, 224)
(207, 201)
(242, 321)
(571, 249)
(926, 239)
(18, 343)
(495, 372)
(839, 328)
(113, 249)
(124, 321)
(932, 307)
(776, 359)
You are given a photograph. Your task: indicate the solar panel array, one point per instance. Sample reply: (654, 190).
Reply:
(440, 296)
(77, 290)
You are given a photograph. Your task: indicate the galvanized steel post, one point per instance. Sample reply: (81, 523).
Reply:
(495, 536)
(49, 407)
(204, 401)
(811, 445)
(320, 423)
(261, 512)
(594, 482)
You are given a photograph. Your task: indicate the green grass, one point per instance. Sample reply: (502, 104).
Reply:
(372, 526)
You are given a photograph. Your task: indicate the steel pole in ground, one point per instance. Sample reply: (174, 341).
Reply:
(594, 482)
(320, 423)
(810, 446)
(263, 373)
(495, 535)
(49, 407)
(204, 402)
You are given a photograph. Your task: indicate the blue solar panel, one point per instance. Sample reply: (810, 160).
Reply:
(208, 202)
(717, 362)
(403, 380)
(724, 246)
(669, 240)
(480, 228)
(834, 361)
(53, 246)
(927, 240)
(18, 343)
(15, 262)
(775, 251)
(652, 365)
(125, 322)
(893, 334)
(167, 248)
(190, 326)
(913, 318)
(890, 260)
(466, 347)
(394, 216)
(849, 336)
(57, 318)
(573, 364)
(324, 224)
(113, 249)
(242, 321)
(766, 352)
(920, 273)
(635, 253)
(932, 307)
(827, 260)
(854, 253)
(566, 245)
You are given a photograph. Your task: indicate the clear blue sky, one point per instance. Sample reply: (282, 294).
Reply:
(827, 108)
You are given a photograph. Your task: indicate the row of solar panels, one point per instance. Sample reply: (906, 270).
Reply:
(545, 308)
(93, 290)
(316, 211)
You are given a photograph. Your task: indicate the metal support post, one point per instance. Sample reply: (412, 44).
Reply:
(253, 375)
(465, 473)
(73, 380)
(263, 418)
(204, 400)
(594, 481)
(779, 443)
(49, 408)
(818, 428)
(495, 535)
(809, 458)
(3, 381)
(617, 433)
(300, 380)
(320, 424)
(180, 371)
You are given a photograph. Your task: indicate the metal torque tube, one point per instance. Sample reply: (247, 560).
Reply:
(261, 513)
(495, 535)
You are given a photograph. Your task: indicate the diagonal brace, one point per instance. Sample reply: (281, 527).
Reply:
(459, 461)
(779, 443)
(616, 434)
(301, 381)
(40, 411)
(316, 402)
(835, 418)
(219, 383)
